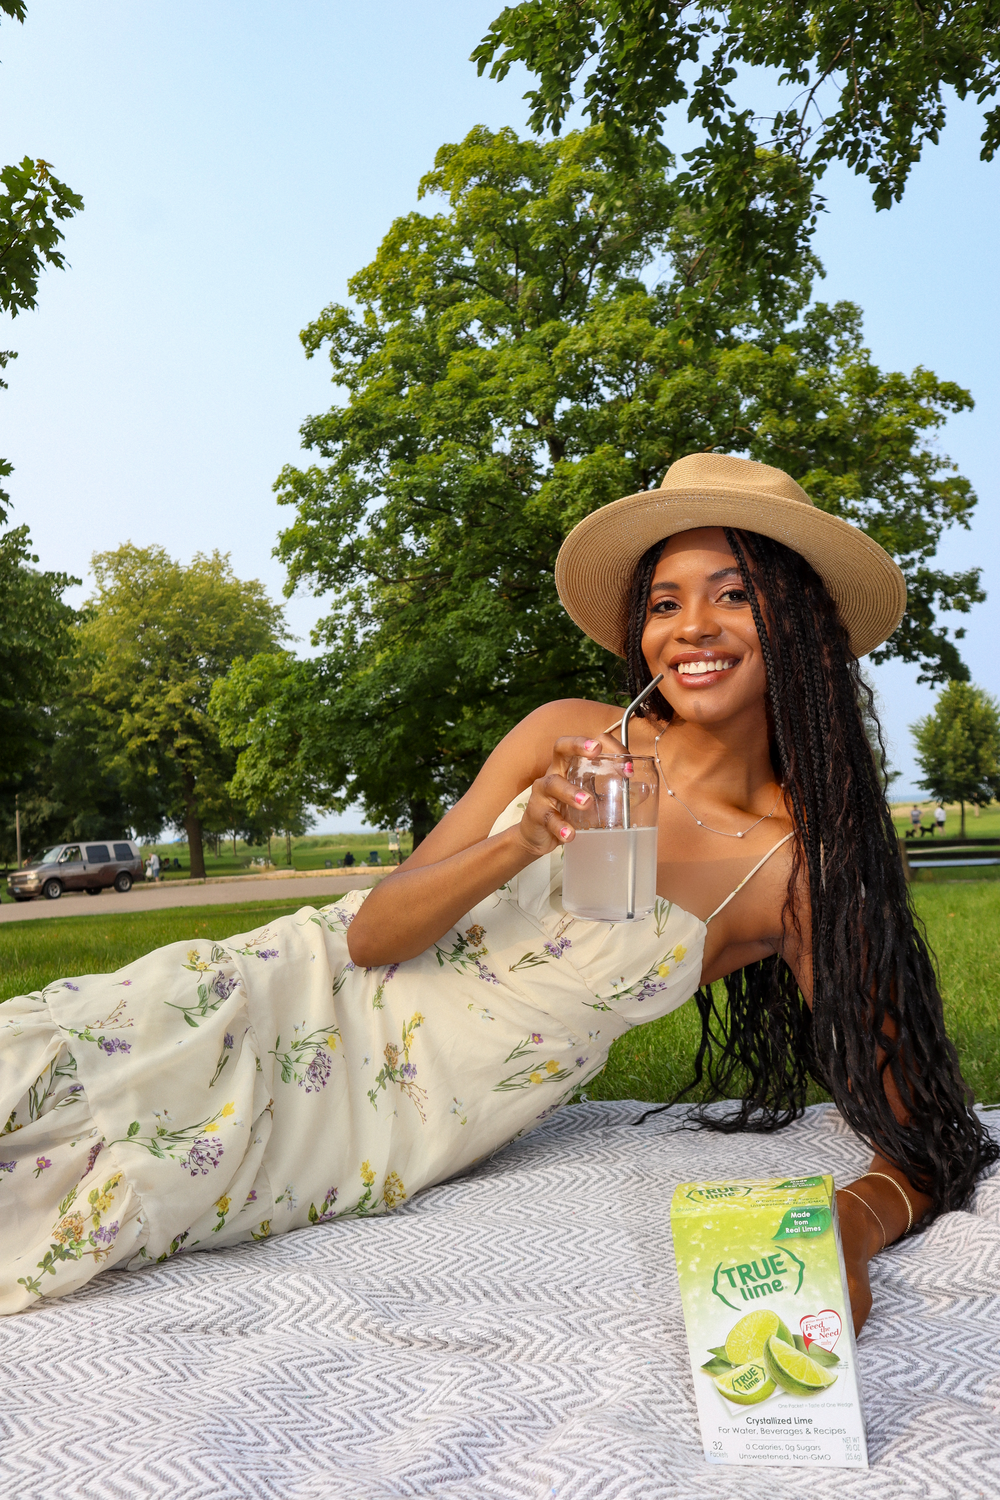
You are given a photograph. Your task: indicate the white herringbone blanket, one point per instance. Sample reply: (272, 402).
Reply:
(515, 1333)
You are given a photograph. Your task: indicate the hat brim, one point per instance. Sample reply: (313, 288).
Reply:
(597, 560)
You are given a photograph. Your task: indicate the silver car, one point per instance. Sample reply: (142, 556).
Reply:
(78, 867)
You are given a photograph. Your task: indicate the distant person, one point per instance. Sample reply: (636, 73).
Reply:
(154, 866)
(348, 860)
(915, 817)
(939, 817)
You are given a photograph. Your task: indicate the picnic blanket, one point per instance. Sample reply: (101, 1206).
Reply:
(516, 1332)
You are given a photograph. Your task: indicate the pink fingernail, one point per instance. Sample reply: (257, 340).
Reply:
(564, 833)
(580, 798)
(590, 744)
(629, 768)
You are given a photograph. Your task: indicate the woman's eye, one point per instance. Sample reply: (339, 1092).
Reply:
(662, 606)
(735, 596)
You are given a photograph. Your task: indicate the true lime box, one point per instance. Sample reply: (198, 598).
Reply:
(768, 1320)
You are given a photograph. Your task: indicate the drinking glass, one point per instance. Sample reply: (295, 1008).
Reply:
(609, 868)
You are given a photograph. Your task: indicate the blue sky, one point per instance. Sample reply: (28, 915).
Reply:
(240, 160)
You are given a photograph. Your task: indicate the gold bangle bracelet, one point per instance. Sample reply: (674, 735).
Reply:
(847, 1192)
(905, 1196)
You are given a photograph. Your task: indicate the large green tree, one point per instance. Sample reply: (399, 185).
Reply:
(158, 636)
(552, 337)
(958, 747)
(863, 83)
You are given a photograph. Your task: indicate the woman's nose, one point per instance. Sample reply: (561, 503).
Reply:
(697, 622)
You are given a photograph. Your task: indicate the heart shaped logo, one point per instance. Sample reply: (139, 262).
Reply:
(823, 1328)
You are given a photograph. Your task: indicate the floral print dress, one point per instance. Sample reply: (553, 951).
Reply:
(211, 1093)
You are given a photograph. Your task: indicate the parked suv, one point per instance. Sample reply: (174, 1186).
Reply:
(78, 867)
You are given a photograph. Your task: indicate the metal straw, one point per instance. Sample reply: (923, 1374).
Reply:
(627, 800)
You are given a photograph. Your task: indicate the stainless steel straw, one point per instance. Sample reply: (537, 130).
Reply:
(627, 799)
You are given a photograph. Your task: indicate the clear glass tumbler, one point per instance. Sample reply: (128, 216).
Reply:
(609, 868)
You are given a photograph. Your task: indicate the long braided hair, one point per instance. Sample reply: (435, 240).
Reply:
(876, 1004)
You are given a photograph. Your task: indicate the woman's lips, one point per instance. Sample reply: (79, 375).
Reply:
(703, 672)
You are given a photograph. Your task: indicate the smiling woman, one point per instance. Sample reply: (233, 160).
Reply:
(460, 1002)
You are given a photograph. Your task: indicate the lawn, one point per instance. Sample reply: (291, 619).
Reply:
(651, 1062)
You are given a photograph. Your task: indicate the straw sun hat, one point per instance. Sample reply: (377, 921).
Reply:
(597, 560)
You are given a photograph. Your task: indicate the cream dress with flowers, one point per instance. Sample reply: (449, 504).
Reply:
(216, 1092)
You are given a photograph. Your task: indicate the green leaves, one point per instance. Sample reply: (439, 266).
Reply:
(865, 83)
(958, 747)
(552, 333)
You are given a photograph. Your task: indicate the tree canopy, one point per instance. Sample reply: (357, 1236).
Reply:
(553, 336)
(958, 747)
(158, 635)
(864, 83)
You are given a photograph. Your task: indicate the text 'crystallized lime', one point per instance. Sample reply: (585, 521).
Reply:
(768, 1322)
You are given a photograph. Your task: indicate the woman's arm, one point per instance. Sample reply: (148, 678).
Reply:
(880, 1206)
(459, 864)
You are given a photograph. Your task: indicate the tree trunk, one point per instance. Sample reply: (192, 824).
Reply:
(288, 846)
(269, 846)
(192, 827)
(234, 843)
(962, 833)
(421, 820)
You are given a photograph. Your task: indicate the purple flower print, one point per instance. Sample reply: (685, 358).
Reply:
(95, 1152)
(251, 1197)
(317, 1074)
(41, 1162)
(267, 953)
(224, 985)
(558, 948)
(485, 973)
(408, 1070)
(580, 1061)
(537, 1038)
(390, 971)
(69, 986)
(227, 1041)
(106, 1234)
(113, 1044)
(7, 1166)
(206, 1152)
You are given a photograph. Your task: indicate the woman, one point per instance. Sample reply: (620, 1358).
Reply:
(336, 1061)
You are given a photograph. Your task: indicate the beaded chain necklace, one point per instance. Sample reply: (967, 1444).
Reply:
(721, 831)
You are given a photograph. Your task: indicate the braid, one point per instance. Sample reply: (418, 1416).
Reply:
(876, 1004)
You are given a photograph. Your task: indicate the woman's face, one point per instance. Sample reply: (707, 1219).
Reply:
(700, 632)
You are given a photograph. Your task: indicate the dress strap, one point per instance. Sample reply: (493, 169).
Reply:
(753, 872)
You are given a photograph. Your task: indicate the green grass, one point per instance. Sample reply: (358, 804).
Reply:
(37, 952)
(308, 853)
(652, 1062)
(963, 927)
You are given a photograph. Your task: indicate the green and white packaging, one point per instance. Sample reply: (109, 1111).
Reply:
(768, 1318)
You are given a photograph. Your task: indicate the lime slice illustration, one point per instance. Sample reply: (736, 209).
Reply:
(747, 1338)
(746, 1385)
(795, 1372)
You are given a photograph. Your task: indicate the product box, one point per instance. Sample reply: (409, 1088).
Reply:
(768, 1319)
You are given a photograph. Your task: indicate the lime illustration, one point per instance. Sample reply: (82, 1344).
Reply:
(746, 1385)
(748, 1337)
(795, 1372)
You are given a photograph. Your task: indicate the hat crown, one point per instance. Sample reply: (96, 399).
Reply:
(700, 470)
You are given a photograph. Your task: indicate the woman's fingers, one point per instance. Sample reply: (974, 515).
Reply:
(568, 746)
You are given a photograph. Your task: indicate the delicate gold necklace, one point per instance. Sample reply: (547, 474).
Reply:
(721, 831)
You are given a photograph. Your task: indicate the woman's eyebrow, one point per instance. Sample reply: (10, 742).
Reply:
(667, 586)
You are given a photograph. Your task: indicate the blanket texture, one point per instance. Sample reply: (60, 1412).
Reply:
(515, 1333)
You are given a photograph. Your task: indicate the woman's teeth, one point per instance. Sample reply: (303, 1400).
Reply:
(699, 668)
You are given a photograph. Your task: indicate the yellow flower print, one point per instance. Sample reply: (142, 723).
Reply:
(393, 1191)
(367, 1175)
(69, 1230)
(228, 1109)
(331, 1041)
(551, 1066)
(416, 1020)
(535, 1078)
(222, 1204)
(213, 1126)
(664, 969)
(679, 953)
(195, 961)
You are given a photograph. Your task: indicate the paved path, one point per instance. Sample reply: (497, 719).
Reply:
(304, 888)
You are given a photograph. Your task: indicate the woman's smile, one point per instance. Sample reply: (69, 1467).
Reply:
(698, 670)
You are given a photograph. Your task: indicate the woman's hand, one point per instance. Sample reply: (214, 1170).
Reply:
(544, 826)
(861, 1240)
